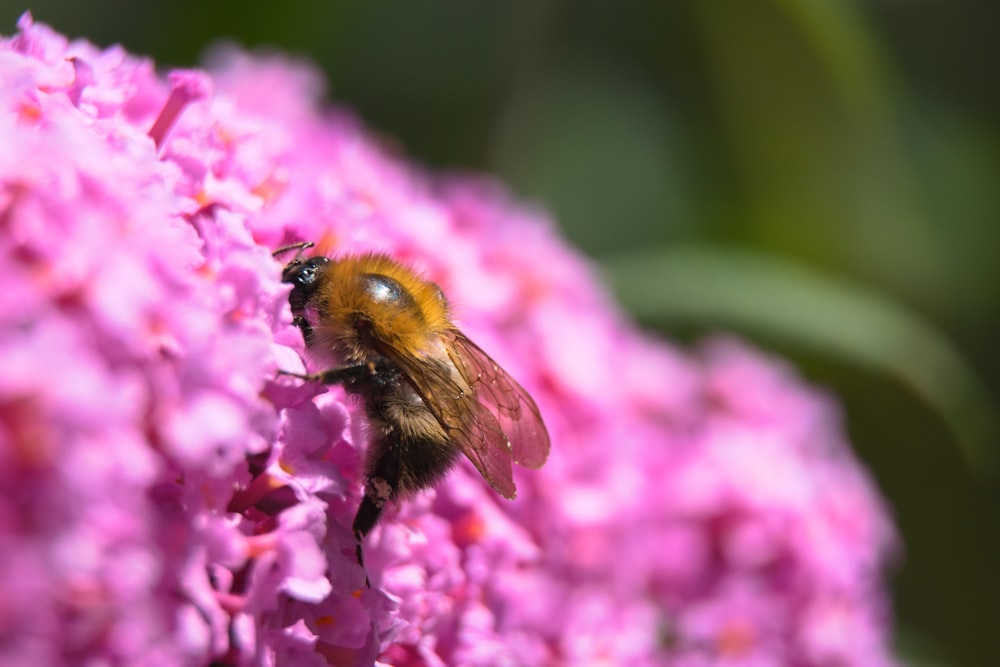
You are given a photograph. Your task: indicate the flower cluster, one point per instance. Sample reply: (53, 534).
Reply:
(168, 499)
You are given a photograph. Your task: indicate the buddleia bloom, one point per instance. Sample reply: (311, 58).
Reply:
(169, 499)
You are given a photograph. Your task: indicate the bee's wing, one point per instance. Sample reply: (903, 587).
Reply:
(492, 420)
(513, 407)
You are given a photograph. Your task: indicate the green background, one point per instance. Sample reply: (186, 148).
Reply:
(818, 175)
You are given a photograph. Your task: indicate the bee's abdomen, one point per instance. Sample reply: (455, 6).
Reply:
(408, 433)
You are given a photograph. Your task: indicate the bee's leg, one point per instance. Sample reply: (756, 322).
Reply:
(303, 324)
(382, 473)
(381, 486)
(346, 375)
(364, 520)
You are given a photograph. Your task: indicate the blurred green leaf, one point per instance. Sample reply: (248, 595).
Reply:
(778, 299)
(843, 39)
(812, 105)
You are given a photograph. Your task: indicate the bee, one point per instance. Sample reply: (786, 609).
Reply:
(429, 392)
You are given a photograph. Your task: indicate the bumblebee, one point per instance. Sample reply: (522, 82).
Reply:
(429, 392)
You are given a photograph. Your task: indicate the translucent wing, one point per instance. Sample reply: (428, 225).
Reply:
(487, 414)
(513, 407)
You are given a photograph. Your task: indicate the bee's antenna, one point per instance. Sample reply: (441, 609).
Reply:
(301, 247)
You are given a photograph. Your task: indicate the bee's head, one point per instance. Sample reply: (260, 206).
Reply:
(305, 276)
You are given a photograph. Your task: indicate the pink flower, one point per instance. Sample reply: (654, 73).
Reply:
(168, 499)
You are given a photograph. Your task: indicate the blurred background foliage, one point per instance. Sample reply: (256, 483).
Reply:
(818, 175)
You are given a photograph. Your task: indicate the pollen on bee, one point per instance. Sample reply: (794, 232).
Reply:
(382, 489)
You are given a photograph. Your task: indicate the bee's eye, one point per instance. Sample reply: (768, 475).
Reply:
(305, 279)
(303, 274)
(306, 276)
